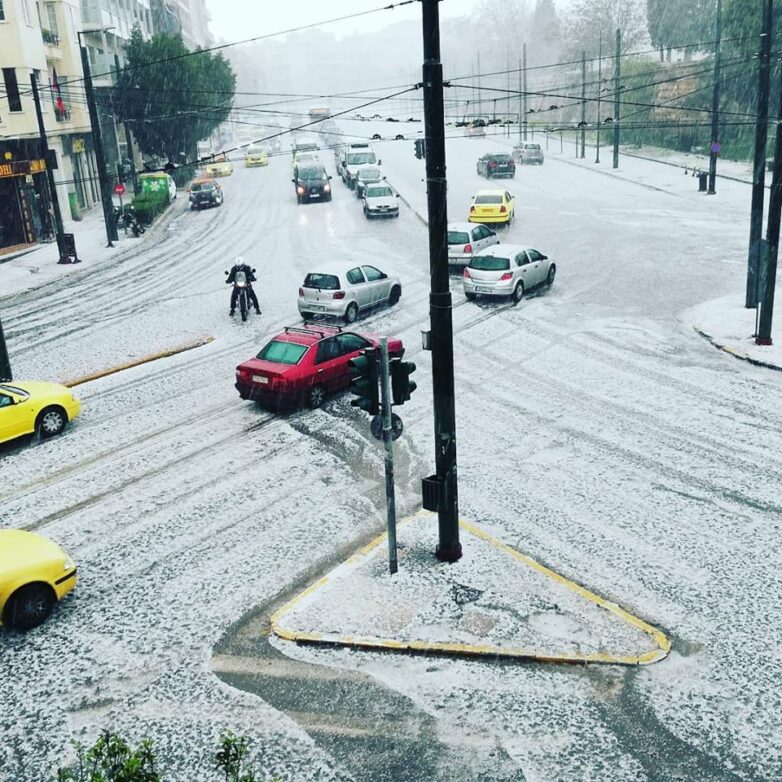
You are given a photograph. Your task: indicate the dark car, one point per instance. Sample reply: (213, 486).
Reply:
(205, 192)
(312, 184)
(496, 164)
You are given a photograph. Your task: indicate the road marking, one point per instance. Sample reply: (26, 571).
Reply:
(139, 361)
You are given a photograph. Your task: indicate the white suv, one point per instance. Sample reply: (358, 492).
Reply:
(352, 158)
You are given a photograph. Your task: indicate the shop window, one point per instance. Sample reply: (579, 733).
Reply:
(12, 89)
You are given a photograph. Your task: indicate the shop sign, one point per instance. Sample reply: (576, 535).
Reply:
(78, 145)
(22, 168)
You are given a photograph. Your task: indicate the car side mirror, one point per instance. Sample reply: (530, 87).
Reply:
(294, 181)
(330, 177)
(380, 162)
(253, 271)
(226, 273)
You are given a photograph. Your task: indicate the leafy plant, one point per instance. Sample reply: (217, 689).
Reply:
(111, 759)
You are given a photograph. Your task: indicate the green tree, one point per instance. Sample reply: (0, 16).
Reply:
(170, 97)
(675, 23)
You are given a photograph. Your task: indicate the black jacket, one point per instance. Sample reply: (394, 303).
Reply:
(244, 268)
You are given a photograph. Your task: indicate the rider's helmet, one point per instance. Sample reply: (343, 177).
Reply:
(238, 261)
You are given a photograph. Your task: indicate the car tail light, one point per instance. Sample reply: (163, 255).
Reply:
(467, 274)
(506, 276)
(242, 373)
(301, 293)
(339, 295)
(503, 210)
(472, 209)
(467, 248)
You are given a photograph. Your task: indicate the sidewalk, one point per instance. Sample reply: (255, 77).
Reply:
(494, 602)
(729, 326)
(39, 267)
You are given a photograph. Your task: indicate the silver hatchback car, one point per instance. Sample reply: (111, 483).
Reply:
(343, 290)
(466, 240)
(507, 270)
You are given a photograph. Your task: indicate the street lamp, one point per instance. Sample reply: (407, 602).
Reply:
(100, 158)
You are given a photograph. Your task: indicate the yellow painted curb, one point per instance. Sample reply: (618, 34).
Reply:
(475, 650)
(138, 362)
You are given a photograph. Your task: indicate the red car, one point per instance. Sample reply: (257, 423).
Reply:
(304, 364)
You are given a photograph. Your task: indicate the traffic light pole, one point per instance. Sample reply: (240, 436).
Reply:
(449, 548)
(100, 160)
(385, 396)
(617, 100)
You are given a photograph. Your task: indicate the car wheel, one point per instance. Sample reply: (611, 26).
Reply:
(51, 421)
(375, 137)
(29, 606)
(393, 297)
(351, 313)
(552, 272)
(399, 137)
(469, 296)
(518, 292)
(315, 397)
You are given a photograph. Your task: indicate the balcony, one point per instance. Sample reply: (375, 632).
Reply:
(50, 37)
(62, 116)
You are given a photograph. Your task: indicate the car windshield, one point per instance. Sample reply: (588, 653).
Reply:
(311, 174)
(358, 158)
(458, 237)
(283, 352)
(14, 390)
(379, 192)
(306, 147)
(488, 199)
(202, 187)
(328, 282)
(490, 263)
(533, 146)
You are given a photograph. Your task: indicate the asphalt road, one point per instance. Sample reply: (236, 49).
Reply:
(596, 433)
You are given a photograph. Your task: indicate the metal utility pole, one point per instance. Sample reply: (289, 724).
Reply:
(385, 398)
(449, 548)
(100, 159)
(521, 102)
(770, 250)
(480, 91)
(58, 226)
(617, 87)
(714, 148)
(583, 102)
(524, 86)
(5, 361)
(599, 93)
(759, 168)
(128, 137)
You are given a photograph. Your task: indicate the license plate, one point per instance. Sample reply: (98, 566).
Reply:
(482, 289)
(314, 195)
(260, 379)
(318, 307)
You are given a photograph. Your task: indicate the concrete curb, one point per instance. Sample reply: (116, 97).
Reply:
(473, 650)
(138, 362)
(423, 219)
(735, 353)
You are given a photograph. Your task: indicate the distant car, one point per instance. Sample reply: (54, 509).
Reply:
(380, 200)
(305, 159)
(477, 128)
(366, 175)
(312, 183)
(205, 192)
(528, 153)
(30, 407)
(304, 364)
(507, 270)
(255, 156)
(343, 290)
(466, 240)
(492, 206)
(220, 166)
(496, 164)
(34, 574)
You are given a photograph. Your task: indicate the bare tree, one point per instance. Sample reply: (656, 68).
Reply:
(587, 19)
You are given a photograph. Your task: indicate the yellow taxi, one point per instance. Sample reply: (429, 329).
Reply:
(30, 407)
(34, 574)
(256, 156)
(220, 166)
(492, 206)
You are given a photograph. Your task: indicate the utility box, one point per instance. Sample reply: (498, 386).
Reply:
(703, 182)
(431, 488)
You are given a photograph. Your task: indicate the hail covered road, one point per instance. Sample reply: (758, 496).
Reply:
(596, 432)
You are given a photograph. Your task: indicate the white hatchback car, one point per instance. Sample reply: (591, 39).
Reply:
(343, 290)
(380, 200)
(466, 240)
(507, 270)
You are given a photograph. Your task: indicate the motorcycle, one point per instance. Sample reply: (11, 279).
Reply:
(127, 219)
(242, 284)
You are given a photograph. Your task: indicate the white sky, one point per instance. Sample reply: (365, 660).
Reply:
(235, 20)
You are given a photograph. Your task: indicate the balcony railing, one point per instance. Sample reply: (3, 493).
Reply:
(49, 37)
(61, 116)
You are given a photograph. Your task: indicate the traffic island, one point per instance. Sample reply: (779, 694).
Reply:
(495, 602)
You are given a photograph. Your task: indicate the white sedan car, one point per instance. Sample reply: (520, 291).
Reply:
(380, 200)
(507, 270)
(466, 240)
(343, 290)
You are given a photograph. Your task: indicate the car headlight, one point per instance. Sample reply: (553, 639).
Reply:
(327, 188)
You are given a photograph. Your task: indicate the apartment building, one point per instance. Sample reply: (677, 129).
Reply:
(40, 38)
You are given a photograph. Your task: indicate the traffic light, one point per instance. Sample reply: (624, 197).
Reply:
(420, 148)
(363, 381)
(401, 385)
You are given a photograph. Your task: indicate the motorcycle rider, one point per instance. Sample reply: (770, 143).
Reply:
(241, 266)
